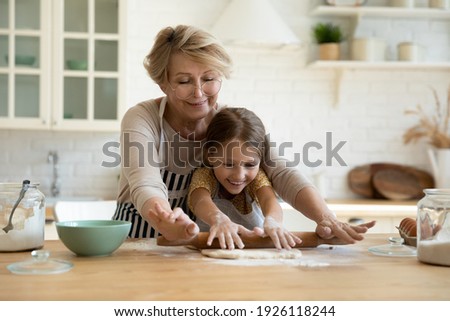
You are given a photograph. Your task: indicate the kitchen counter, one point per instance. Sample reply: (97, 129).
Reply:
(387, 213)
(141, 270)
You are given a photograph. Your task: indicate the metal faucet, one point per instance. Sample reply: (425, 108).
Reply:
(53, 159)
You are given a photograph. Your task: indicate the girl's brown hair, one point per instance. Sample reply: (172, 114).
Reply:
(235, 124)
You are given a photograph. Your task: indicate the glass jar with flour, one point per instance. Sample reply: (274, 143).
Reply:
(22, 217)
(433, 227)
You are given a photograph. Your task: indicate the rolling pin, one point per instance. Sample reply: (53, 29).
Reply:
(310, 239)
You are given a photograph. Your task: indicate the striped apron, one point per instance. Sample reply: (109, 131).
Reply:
(177, 187)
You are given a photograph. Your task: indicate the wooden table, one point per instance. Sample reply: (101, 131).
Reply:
(141, 270)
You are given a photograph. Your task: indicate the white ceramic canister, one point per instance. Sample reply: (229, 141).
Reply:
(409, 51)
(433, 227)
(439, 4)
(28, 219)
(368, 49)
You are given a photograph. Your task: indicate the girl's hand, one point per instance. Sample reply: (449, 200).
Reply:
(228, 232)
(281, 237)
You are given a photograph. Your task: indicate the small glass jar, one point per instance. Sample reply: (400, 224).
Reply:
(433, 227)
(28, 219)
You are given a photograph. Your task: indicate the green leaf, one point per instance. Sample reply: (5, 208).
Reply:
(327, 33)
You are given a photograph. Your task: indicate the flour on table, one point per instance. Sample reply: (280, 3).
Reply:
(238, 254)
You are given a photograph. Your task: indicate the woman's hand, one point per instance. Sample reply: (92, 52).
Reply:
(309, 202)
(330, 227)
(228, 233)
(174, 224)
(280, 236)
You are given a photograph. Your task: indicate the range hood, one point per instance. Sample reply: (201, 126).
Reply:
(253, 22)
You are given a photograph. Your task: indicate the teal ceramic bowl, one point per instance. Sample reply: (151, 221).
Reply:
(77, 64)
(22, 60)
(93, 237)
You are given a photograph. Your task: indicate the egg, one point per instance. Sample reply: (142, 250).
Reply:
(409, 227)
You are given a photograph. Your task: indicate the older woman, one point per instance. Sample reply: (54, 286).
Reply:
(161, 143)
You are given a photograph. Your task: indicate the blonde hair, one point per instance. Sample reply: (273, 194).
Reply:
(196, 44)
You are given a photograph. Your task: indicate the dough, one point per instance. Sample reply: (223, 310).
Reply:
(237, 254)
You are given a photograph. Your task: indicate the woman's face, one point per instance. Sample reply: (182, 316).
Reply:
(184, 90)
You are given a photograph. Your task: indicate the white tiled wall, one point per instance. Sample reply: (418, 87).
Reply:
(25, 156)
(295, 102)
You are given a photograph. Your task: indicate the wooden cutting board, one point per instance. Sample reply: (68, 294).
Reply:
(388, 180)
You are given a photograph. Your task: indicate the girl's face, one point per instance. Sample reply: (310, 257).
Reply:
(235, 165)
(186, 96)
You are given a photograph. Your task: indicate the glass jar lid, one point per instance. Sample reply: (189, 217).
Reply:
(395, 248)
(40, 264)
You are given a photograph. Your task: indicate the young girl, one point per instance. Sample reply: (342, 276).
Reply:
(233, 193)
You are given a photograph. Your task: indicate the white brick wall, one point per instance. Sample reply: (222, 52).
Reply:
(296, 103)
(25, 155)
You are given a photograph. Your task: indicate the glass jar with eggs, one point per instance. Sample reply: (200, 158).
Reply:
(433, 227)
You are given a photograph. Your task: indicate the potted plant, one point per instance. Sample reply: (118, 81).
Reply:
(436, 129)
(328, 36)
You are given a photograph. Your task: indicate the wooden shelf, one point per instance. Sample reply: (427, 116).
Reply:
(383, 12)
(386, 12)
(356, 14)
(348, 64)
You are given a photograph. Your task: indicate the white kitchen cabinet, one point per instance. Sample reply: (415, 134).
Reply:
(358, 13)
(74, 78)
(25, 36)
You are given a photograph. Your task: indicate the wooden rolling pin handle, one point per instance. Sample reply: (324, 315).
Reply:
(310, 239)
